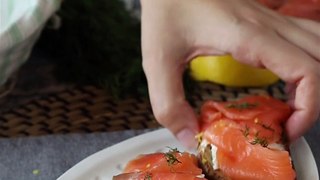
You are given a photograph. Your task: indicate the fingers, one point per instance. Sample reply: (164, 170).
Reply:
(294, 66)
(304, 39)
(308, 25)
(290, 90)
(307, 106)
(290, 49)
(305, 96)
(164, 50)
(168, 102)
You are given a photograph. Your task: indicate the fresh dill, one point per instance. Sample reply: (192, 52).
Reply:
(259, 140)
(171, 156)
(148, 176)
(245, 132)
(268, 127)
(173, 150)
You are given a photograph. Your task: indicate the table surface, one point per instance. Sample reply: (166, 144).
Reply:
(52, 155)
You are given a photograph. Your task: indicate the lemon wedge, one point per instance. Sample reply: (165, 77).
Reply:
(227, 71)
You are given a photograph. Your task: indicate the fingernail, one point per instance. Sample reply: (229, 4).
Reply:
(187, 138)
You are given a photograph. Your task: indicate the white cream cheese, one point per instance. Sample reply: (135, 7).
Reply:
(275, 146)
(214, 149)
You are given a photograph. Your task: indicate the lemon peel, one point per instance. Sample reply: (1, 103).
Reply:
(227, 71)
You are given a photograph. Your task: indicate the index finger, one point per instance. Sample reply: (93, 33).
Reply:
(168, 101)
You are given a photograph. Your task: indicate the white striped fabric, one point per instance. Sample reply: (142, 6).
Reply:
(21, 22)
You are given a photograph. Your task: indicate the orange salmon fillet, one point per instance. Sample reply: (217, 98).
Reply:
(242, 132)
(173, 165)
(309, 9)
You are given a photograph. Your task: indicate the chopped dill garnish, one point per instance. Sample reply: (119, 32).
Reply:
(258, 140)
(148, 176)
(245, 132)
(173, 150)
(171, 157)
(241, 106)
(268, 127)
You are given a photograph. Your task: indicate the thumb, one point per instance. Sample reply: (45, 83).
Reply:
(168, 100)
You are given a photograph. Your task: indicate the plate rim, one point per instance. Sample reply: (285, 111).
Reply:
(95, 158)
(83, 164)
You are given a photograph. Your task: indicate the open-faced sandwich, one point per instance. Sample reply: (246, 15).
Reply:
(244, 140)
(239, 140)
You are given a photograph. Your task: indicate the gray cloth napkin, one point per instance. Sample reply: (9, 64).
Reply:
(48, 157)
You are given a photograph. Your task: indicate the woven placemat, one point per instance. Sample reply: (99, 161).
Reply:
(89, 109)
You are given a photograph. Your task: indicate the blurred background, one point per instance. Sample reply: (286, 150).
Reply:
(74, 67)
(80, 70)
(84, 42)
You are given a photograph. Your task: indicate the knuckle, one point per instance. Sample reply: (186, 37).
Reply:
(312, 74)
(316, 72)
(169, 114)
(162, 115)
(317, 43)
(250, 41)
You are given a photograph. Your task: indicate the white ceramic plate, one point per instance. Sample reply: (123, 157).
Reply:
(105, 164)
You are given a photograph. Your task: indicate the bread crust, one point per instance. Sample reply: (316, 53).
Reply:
(206, 163)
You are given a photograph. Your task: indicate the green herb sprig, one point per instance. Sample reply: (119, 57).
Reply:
(259, 140)
(148, 176)
(171, 157)
(268, 127)
(245, 132)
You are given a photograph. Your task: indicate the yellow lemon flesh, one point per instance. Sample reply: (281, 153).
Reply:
(227, 71)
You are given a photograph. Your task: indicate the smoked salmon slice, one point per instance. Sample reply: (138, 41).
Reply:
(171, 165)
(262, 114)
(302, 9)
(182, 162)
(246, 138)
(309, 9)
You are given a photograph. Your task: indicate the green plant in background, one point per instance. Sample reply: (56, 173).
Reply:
(98, 43)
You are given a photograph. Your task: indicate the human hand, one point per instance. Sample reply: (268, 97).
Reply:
(175, 31)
